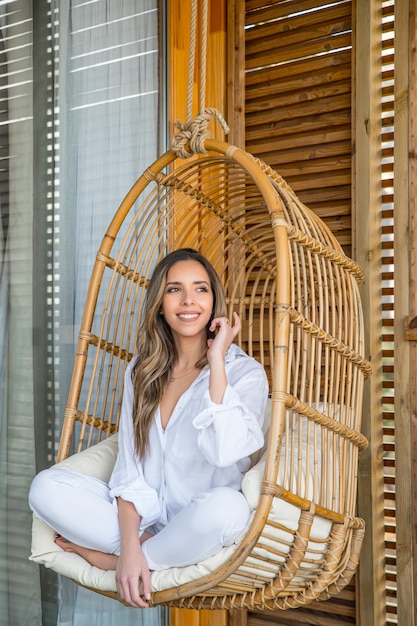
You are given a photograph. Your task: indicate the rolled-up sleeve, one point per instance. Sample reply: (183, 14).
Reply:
(232, 430)
(127, 480)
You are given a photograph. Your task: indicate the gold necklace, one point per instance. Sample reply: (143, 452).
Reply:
(183, 375)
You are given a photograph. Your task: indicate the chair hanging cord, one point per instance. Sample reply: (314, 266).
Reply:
(203, 59)
(191, 136)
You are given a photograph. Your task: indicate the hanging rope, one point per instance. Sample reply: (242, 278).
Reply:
(191, 136)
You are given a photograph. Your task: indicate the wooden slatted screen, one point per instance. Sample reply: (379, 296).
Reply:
(387, 290)
(298, 100)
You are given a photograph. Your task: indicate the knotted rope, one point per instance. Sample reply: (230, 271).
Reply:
(191, 136)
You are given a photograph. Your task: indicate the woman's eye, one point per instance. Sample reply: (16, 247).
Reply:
(172, 289)
(204, 289)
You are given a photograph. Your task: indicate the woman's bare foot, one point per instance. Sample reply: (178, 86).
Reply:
(64, 544)
(93, 557)
(103, 560)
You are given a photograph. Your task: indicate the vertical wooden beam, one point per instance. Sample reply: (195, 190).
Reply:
(178, 53)
(236, 72)
(238, 617)
(413, 281)
(178, 47)
(190, 617)
(367, 202)
(178, 33)
(405, 304)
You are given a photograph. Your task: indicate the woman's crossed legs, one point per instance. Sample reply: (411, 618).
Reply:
(79, 508)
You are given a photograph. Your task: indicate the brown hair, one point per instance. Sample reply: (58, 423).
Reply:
(155, 345)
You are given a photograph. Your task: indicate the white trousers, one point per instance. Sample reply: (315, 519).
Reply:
(79, 508)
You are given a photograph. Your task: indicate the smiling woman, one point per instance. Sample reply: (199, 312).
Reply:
(164, 508)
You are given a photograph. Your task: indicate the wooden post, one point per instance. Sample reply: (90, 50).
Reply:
(178, 52)
(178, 31)
(367, 203)
(236, 72)
(413, 282)
(405, 305)
(190, 617)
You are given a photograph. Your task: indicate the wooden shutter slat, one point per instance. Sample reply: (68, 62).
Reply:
(322, 46)
(304, 27)
(323, 194)
(260, 10)
(310, 167)
(285, 74)
(268, 98)
(334, 144)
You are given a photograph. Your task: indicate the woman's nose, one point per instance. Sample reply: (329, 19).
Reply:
(187, 297)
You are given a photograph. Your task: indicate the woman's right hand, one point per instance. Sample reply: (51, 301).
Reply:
(133, 580)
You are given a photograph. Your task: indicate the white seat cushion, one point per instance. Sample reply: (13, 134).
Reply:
(98, 461)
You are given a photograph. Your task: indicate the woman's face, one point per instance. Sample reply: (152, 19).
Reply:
(188, 299)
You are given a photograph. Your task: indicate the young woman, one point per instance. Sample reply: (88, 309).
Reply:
(192, 413)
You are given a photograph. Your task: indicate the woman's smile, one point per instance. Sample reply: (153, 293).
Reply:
(188, 316)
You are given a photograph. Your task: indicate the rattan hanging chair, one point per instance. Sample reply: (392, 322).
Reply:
(297, 296)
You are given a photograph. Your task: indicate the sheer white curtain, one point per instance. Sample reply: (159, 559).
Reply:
(108, 97)
(19, 587)
(71, 146)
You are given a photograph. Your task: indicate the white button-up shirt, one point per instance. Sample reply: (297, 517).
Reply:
(204, 444)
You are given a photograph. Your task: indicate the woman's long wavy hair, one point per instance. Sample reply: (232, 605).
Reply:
(155, 344)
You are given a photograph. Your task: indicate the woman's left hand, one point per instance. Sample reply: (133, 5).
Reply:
(225, 334)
